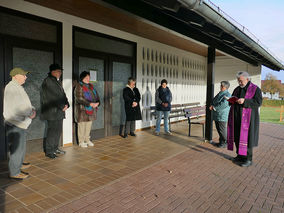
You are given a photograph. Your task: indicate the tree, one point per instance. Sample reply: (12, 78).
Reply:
(271, 84)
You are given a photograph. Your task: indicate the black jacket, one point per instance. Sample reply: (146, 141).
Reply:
(53, 99)
(163, 95)
(129, 96)
(254, 104)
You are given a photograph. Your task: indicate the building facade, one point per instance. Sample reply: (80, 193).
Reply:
(33, 36)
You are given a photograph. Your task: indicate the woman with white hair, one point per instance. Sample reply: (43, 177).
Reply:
(132, 97)
(221, 108)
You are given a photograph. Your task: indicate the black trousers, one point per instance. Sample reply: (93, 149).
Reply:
(54, 131)
(249, 151)
(221, 127)
(129, 125)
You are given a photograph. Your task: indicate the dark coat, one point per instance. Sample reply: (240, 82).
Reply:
(254, 104)
(53, 99)
(129, 96)
(163, 95)
(81, 102)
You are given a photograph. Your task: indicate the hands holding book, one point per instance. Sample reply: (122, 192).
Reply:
(235, 99)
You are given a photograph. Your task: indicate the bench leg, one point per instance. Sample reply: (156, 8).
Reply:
(189, 126)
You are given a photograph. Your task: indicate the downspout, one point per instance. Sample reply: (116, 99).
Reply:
(214, 17)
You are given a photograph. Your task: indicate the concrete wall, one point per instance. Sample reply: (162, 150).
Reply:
(227, 68)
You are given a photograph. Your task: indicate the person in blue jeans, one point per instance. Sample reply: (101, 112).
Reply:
(163, 99)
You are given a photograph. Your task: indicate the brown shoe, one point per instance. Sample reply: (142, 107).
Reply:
(26, 163)
(26, 166)
(26, 173)
(20, 176)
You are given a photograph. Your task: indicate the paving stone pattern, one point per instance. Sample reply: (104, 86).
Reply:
(53, 182)
(151, 173)
(201, 179)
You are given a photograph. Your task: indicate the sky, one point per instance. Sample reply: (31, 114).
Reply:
(265, 19)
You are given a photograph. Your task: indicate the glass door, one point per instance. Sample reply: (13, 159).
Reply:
(112, 76)
(121, 71)
(114, 60)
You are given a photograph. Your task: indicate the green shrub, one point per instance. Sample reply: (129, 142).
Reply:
(272, 102)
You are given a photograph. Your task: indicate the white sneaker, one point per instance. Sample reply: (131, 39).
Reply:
(90, 143)
(169, 133)
(83, 144)
(157, 133)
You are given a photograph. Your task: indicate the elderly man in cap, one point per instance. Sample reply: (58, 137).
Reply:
(243, 123)
(54, 103)
(18, 114)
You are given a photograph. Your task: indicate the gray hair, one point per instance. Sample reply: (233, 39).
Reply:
(244, 74)
(131, 79)
(225, 84)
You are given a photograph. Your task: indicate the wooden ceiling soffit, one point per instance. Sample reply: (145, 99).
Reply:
(115, 19)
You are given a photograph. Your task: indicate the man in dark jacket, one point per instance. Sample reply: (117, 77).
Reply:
(243, 123)
(163, 98)
(54, 103)
(131, 96)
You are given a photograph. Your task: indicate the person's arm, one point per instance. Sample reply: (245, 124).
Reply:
(98, 100)
(255, 102)
(66, 101)
(138, 96)
(51, 97)
(171, 97)
(222, 103)
(79, 96)
(126, 96)
(157, 98)
(13, 109)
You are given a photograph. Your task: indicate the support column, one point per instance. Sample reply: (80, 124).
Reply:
(210, 92)
(67, 82)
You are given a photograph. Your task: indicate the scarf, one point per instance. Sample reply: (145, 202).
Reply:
(244, 132)
(88, 89)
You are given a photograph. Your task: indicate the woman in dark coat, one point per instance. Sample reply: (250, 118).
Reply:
(131, 96)
(87, 101)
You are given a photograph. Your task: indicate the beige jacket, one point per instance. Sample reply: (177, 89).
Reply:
(17, 105)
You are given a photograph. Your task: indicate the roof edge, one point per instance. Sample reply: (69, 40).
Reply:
(213, 16)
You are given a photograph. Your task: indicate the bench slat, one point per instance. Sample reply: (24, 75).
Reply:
(191, 104)
(188, 110)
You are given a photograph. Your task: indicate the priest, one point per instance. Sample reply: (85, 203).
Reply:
(243, 123)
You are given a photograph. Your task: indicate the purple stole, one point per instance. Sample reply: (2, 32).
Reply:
(246, 115)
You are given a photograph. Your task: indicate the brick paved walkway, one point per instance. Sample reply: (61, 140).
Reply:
(201, 179)
(53, 182)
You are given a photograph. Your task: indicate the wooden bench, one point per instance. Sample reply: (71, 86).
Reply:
(176, 111)
(195, 112)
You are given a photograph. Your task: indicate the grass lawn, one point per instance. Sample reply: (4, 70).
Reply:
(269, 114)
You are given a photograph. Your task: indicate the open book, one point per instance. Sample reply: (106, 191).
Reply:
(232, 99)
